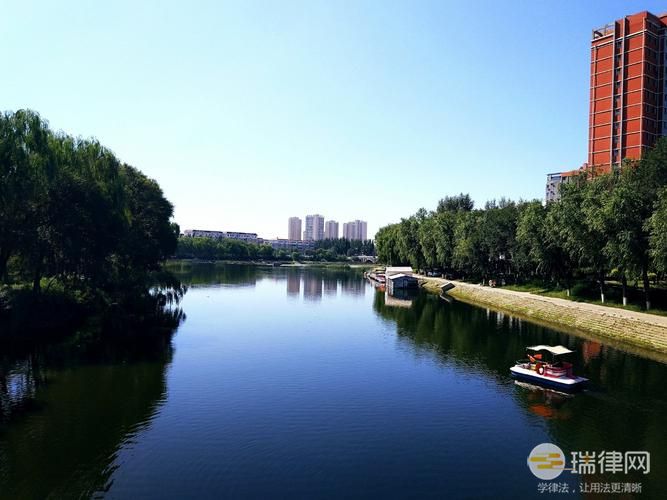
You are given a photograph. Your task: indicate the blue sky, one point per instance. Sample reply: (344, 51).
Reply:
(250, 112)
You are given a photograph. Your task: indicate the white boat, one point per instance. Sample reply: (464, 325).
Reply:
(552, 372)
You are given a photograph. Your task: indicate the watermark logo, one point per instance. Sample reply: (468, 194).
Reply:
(546, 461)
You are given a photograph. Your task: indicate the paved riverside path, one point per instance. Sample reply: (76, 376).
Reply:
(646, 331)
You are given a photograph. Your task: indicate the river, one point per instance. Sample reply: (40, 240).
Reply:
(305, 383)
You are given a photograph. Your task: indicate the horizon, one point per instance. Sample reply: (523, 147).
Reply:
(256, 113)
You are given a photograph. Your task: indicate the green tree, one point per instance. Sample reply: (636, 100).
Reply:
(460, 202)
(408, 240)
(428, 234)
(538, 241)
(386, 241)
(657, 227)
(70, 212)
(577, 221)
(470, 256)
(25, 168)
(445, 223)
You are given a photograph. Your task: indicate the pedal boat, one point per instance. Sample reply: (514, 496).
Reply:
(545, 366)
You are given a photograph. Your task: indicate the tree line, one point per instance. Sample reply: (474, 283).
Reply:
(604, 226)
(223, 249)
(73, 216)
(345, 247)
(228, 249)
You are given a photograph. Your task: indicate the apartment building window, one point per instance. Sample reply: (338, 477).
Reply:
(651, 40)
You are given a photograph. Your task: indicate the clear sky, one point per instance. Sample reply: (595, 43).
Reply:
(250, 112)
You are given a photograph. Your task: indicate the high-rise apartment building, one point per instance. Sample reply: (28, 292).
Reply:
(331, 230)
(628, 95)
(294, 229)
(627, 89)
(355, 230)
(314, 228)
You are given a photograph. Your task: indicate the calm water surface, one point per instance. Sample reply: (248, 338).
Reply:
(289, 383)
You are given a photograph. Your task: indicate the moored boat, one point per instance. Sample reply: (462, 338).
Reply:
(546, 366)
(377, 274)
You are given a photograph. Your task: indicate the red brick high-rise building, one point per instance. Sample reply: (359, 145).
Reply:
(627, 89)
(628, 101)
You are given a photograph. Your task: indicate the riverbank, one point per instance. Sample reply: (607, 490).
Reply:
(629, 330)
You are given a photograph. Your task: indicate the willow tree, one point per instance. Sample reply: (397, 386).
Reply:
(25, 167)
(71, 211)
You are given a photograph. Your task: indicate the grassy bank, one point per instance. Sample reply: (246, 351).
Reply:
(589, 293)
(629, 330)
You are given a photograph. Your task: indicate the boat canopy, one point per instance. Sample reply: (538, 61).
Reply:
(557, 349)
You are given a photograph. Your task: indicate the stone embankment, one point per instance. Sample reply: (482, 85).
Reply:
(646, 333)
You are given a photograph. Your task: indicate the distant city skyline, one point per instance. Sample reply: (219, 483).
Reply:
(355, 230)
(331, 229)
(318, 227)
(294, 228)
(314, 228)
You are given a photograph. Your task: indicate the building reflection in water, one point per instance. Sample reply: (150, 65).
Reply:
(317, 285)
(590, 350)
(312, 287)
(330, 286)
(400, 298)
(353, 285)
(293, 284)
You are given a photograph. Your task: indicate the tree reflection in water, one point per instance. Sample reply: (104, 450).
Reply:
(490, 342)
(66, 409)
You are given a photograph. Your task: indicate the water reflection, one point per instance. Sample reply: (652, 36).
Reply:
(352, 285)
(197, 274)
(330, 285)
(312, 287)
(67, 409)
(293, 284)
(315, 282)
(350, 393)
(400, 298)
(19, 380)
(545, 403)
(626, 390)
(466, 334)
